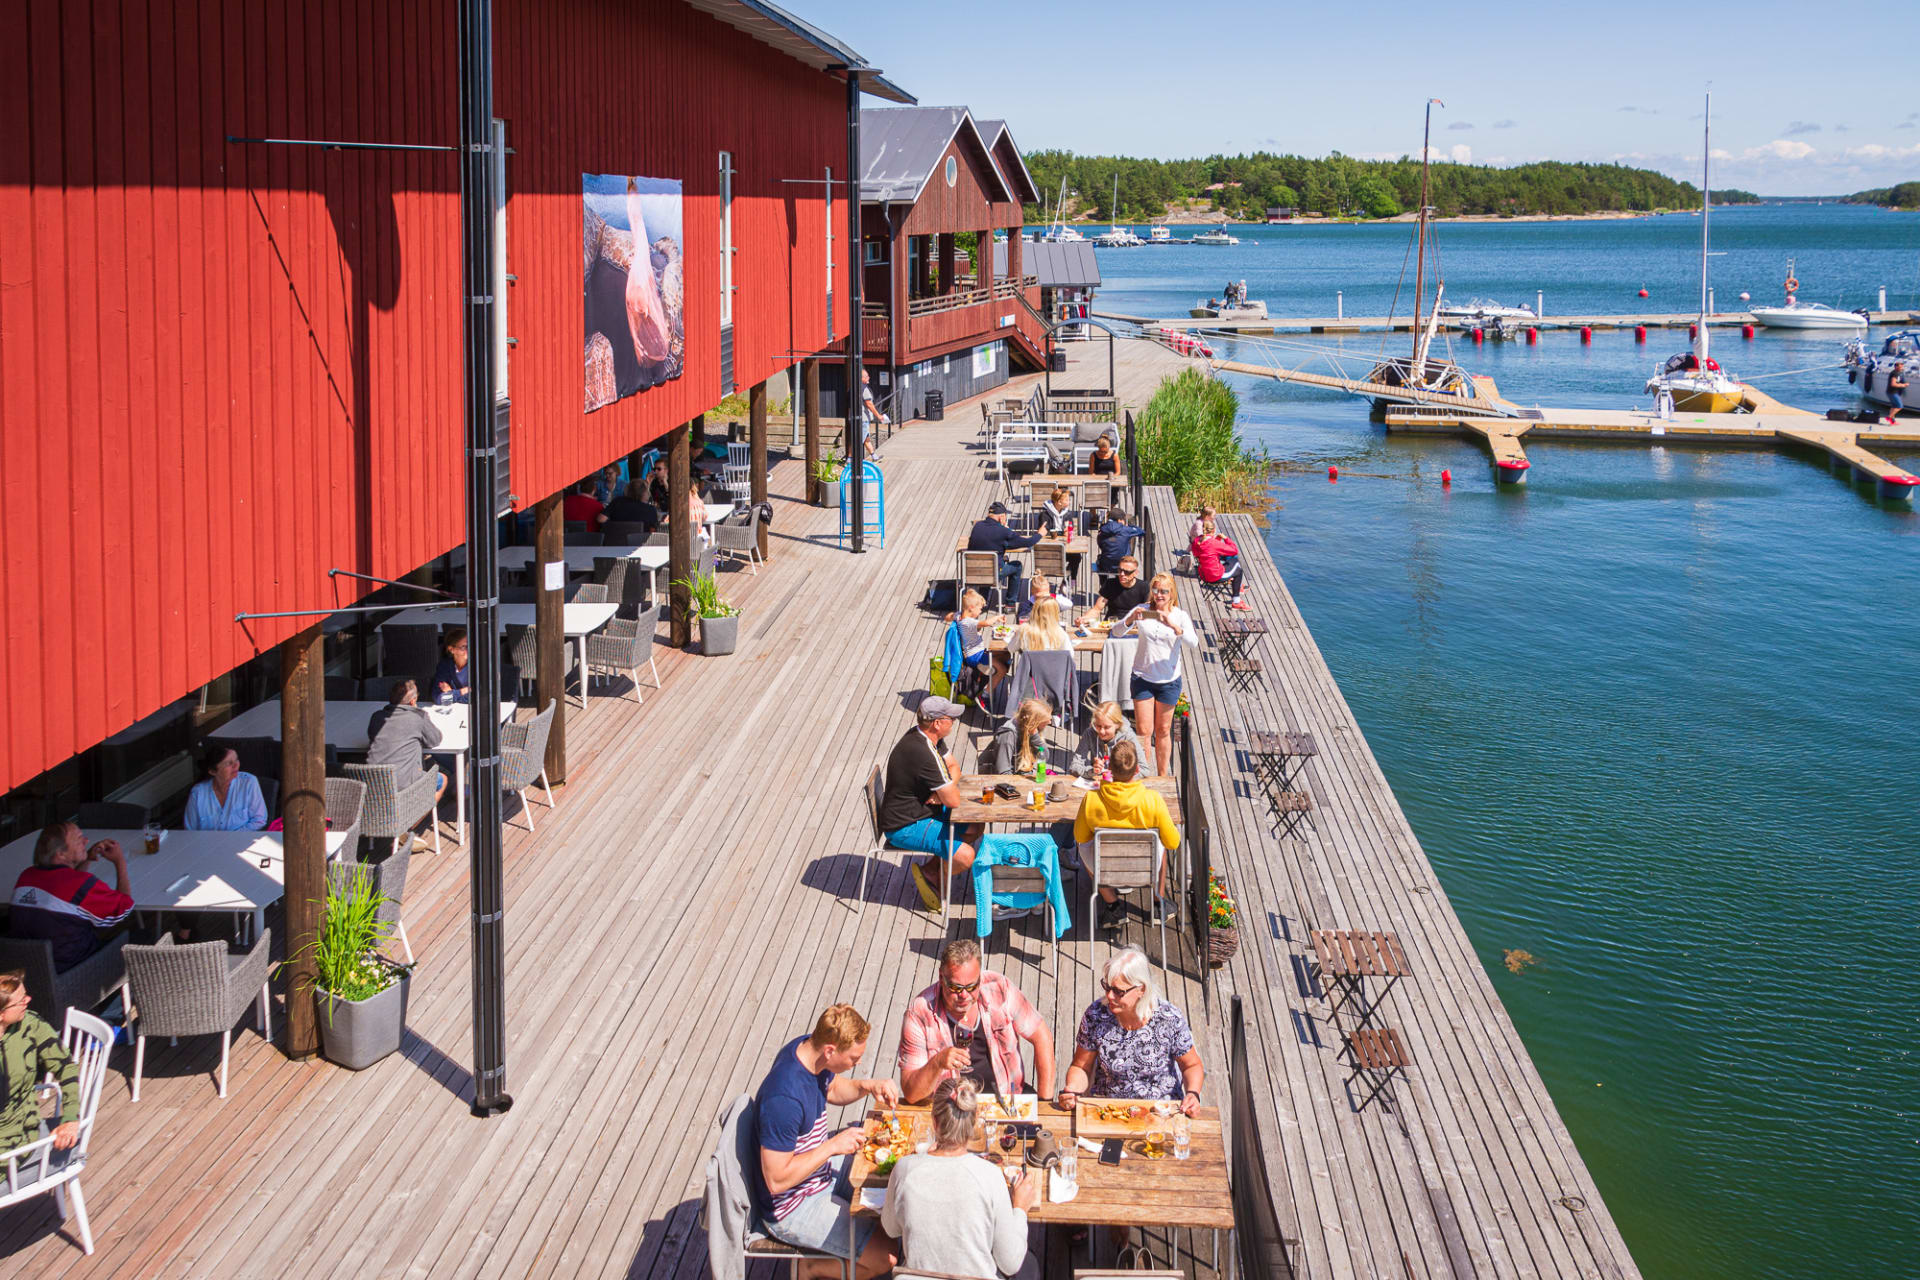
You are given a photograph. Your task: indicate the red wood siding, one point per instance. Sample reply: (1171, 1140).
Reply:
(227, 369)
(657, 89)
(967, 205)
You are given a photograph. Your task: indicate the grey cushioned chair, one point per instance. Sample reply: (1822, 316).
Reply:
(346, 798)
(390, 811)
(740, 537)
(196, 989)
(85, 986)
(524, 654)
(587, 593)
(523, 758)
(624, 645)
(112, 815)
(387, 877)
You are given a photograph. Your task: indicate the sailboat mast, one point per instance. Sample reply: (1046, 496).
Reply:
(1420, 263)
(1706, 208)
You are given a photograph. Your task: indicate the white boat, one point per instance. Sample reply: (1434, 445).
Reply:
(1795, 314)
(1214, 309)
(1693, 380)
(1117, 236)
(1159, 235)
(1478, 312)
(1058, 232)
(1215, 235)
(1868, 372)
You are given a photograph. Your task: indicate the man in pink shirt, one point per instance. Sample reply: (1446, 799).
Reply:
(970, 1023)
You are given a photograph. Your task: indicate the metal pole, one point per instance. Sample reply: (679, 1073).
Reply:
(488, 927)
(1539, 304)
(1339, 304)
(856, 415)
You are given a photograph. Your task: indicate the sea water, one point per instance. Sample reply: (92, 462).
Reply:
(1651, 716)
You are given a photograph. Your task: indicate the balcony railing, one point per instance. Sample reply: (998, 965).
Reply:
(969, 297)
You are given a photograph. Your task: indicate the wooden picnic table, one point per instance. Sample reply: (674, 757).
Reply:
(1079, 546)
(1137, 1192)
(1018, 812)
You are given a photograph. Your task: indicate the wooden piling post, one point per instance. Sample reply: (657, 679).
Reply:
(757, 450)
(680, 533)
(549, 629)
(303, 781)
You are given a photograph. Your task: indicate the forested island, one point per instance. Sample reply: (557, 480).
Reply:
(1905, 195)
(1244, 187)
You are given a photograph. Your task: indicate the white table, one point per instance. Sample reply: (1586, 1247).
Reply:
(218, 871)
(581, 559)
(577, 622)
(347, 731)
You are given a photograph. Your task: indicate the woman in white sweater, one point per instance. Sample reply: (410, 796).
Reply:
(1162, 626)
(950, 1209)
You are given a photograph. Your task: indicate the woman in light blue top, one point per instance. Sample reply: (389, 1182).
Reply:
(225, 799)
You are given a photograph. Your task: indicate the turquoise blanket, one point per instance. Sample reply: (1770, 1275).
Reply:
(1034, 850)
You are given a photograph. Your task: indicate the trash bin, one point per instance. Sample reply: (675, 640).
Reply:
(1057, 360)
(936, 410)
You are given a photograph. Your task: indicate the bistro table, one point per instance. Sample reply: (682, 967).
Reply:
(1014, 812)
(238, 873)
(1138, 1192)
(347, 731)
(577, 622)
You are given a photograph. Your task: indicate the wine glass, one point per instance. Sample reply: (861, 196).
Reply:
(992, 1129)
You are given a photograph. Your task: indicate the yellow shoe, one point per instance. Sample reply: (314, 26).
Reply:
(927, 895)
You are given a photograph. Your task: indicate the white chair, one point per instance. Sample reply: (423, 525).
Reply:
(1126, 860)
(87, 1041)
(737, 476)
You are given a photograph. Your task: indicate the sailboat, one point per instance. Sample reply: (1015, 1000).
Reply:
(1693, 378)
(1421, 371)
(1058, 232)
(1117, 236)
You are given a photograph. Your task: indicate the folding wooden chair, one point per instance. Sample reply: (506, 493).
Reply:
(980, 569)
(1125, 861)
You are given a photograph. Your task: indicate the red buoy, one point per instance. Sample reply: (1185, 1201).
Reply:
(1693, 331)
(1746, 331)
(1643, 293)
(1333, 473)
(1533, 337)
(1479, 336)
(1640, 333)
(1446, 479)
(1586, 336)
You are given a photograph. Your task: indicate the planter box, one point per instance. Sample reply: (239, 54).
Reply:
(358, 1033)
(719, 635)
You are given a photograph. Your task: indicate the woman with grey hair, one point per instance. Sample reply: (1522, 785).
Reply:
(950, 1210)
(1133, 1044)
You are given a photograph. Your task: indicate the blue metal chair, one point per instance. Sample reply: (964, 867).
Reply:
(873, 503)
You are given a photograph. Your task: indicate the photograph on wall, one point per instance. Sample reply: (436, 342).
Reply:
(983, 360)
(636, 332)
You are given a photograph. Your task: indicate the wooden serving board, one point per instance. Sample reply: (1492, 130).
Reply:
(1088, 1124)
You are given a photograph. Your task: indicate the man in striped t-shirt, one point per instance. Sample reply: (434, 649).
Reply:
(802, 1195)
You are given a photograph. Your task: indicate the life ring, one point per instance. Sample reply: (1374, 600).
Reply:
(1792, 285)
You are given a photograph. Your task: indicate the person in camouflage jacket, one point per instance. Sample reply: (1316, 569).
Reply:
(29, 1053)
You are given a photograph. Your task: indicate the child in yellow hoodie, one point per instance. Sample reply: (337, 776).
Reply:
(1126, 803)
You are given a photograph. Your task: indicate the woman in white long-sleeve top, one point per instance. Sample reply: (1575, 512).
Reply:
(1162, 627)
(950, 1210)
(226, 798)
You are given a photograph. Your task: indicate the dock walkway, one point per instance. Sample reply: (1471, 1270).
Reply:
(1404, 324)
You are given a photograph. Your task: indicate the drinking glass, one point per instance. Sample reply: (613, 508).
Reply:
(1182, 1137)
(1155, 1145)
(1069, 1169)
(992, 1129)
(151, 835)
(923, 1134)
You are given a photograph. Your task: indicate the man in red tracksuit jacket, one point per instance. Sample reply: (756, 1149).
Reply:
(58, 899)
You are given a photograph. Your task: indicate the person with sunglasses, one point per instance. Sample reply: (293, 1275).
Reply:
(970, 1024)
(1133, 1044)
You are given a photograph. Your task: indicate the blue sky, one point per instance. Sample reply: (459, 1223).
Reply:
(1802, 103)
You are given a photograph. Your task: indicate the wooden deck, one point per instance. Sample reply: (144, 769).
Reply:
(688, 908)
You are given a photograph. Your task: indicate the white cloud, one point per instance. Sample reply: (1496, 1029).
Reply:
(1778, 149)
(1721, 154)
(1462, 154)
(1877, 151)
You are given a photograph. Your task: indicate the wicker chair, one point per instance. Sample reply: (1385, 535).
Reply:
(113, 815)
(623, 645)
(388, 878)
(24, 1171)
(85, 986)
(196, 990)
(346, 799)
(391, 812)
(587, 593)
(524, 653)
(740, 538)
(523, 758)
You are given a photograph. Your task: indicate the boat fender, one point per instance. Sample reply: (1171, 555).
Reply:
(1479, 336)
(1533, 337)
(1643, 293)
(1640, 333)
(1746, 331)
(1333, 473)
(1586, 336)
(1693, 331)
(1446, 479)
(1792, 285)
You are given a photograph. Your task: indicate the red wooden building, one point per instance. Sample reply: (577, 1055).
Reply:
(228, 367)
(937, 317)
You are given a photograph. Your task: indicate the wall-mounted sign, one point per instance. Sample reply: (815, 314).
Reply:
(636, 333)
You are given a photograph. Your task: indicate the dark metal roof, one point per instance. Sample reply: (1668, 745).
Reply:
(901, 146)
(1058, 266)
(800, 40)
(1022, 181)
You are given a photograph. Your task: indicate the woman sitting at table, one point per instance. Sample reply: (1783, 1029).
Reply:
(1054, 513)
(951, 1211)
(1131, 1043)
(1104, 462)
(225, 798)
(451, 678)
(1042, 629)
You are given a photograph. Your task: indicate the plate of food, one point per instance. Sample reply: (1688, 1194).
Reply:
(1118, 1117)
(888, 1138)
(1021, 1106)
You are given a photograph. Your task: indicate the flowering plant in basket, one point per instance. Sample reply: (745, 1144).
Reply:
(1222, 911)
(1183, 708)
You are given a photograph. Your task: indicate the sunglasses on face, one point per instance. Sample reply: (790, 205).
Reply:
(1118, 993)
(961, 988)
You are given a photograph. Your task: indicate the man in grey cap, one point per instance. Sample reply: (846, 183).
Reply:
(923, 785)
(992, 534)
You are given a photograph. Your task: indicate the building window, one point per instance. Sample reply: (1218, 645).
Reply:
(726, 237)
(499, 272)
(876, 252)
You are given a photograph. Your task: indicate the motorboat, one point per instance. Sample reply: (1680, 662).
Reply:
(1480, 313)
(1868, 371)
(1215, 235)
(1795, 314)
(1233, 304)
(1159, 235)
(1693, 381)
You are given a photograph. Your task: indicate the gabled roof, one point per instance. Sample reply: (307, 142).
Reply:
(800, 40)
(900, 147)
(1019, 180)
(1057, 266)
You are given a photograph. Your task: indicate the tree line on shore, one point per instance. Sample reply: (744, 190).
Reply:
(1244, 187)
(1904, 195)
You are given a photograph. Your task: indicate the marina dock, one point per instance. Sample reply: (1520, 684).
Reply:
(1404, 324)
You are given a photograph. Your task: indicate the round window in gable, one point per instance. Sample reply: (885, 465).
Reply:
(953, 170)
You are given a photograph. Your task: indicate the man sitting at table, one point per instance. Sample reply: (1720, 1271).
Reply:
(922, 788)
(400, 734)
(1116, 540)
(60, 900)
(581, 507)
(632, 507)
(1126, 804)
(992, 534)
(801, 1191)
(970, 1023)
(1124, 592)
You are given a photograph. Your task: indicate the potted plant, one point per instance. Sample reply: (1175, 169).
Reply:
(826, 475)
(719, 621)
(1223, 923)
(362, 994)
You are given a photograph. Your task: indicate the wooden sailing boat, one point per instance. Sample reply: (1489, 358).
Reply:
(1422, 371)
(1694, 378)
